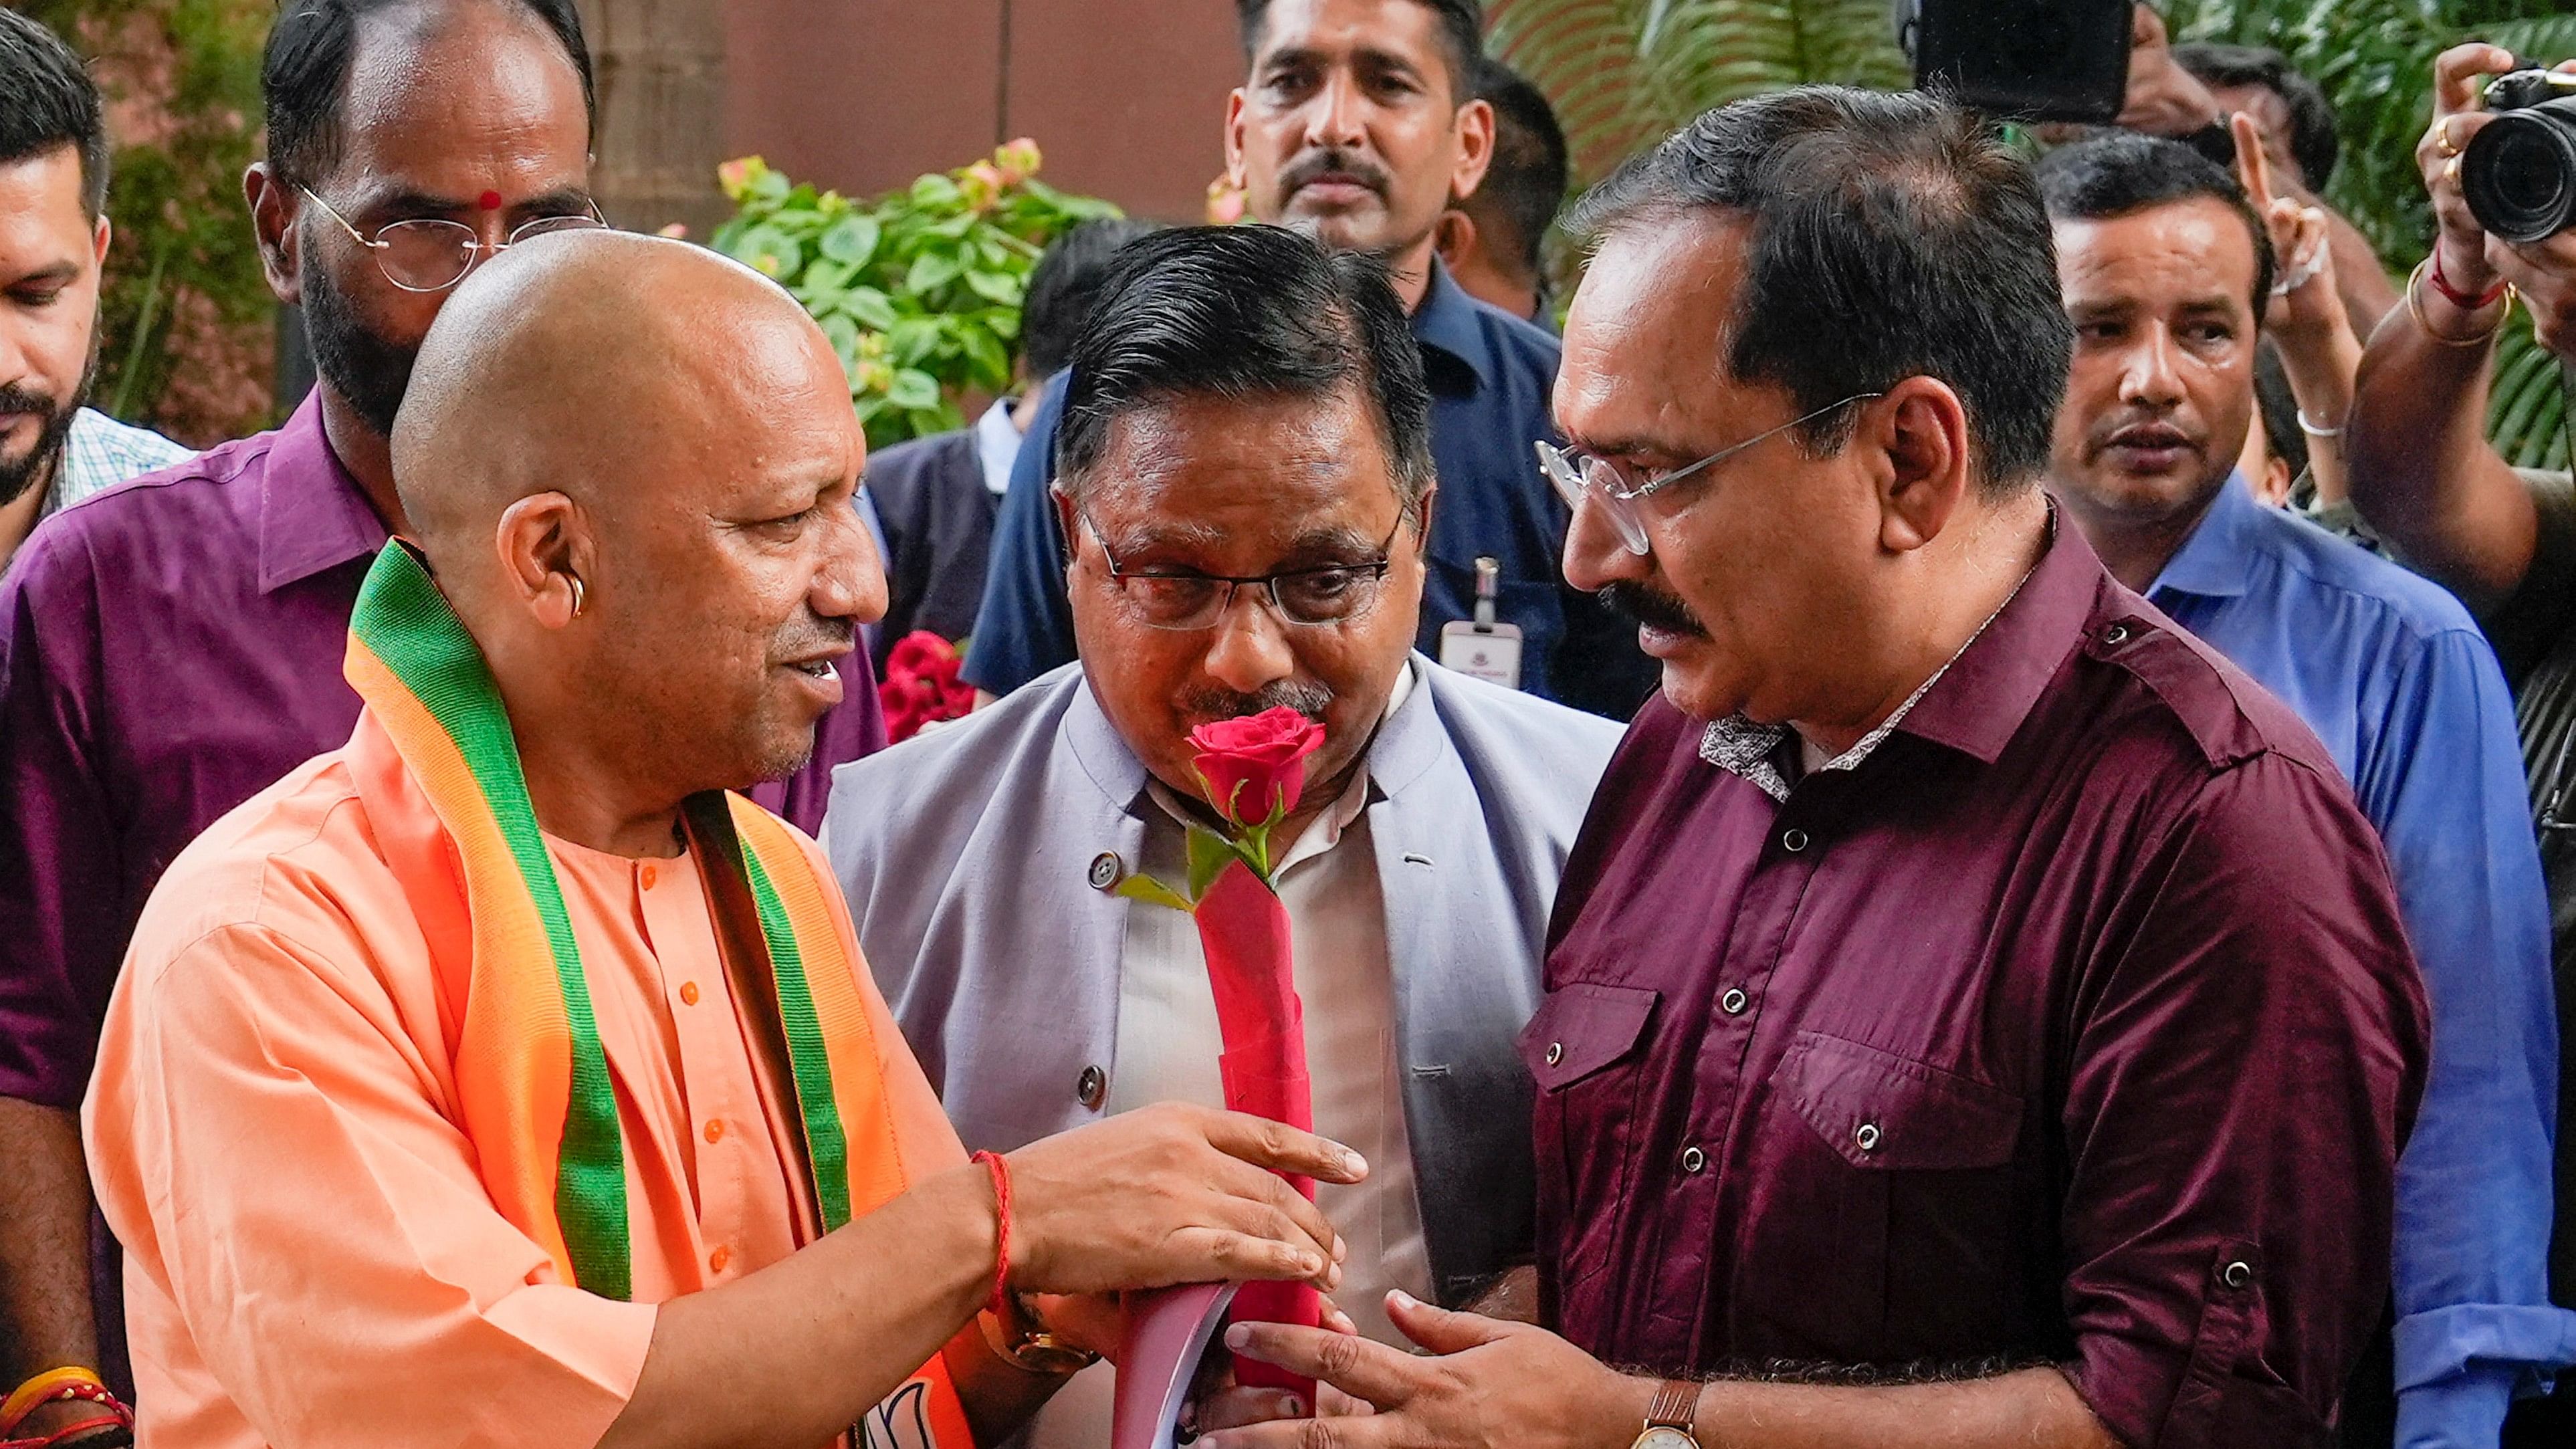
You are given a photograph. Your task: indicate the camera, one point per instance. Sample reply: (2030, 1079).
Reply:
(2022, 60)
(2519, 171)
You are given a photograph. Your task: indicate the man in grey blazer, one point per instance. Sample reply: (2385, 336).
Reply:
(1244, 469)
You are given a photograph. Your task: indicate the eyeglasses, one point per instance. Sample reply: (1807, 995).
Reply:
(1186, 602)
(429, 254)
(1618, 486)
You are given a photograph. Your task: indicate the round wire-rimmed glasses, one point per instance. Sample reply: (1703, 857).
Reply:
(1617, 486)
(1188, 602)
(431, 254)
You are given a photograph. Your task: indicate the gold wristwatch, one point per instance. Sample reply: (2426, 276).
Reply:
(1024, 1343)
(1669, 1416)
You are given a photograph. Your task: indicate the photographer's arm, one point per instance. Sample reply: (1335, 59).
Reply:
(2421, 470)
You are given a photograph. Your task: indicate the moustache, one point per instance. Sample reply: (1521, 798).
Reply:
(1206, 706)
(16, 398)
(1639, 604)
(816, 635)
(1332, 161)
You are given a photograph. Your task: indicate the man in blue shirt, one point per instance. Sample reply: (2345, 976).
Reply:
(1358, 126)
(2164, 266)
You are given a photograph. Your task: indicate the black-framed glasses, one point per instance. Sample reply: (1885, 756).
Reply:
(1186, 601)
(1575, 473)
(432, 254)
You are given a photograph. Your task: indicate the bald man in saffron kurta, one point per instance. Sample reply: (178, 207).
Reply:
(285, 1013)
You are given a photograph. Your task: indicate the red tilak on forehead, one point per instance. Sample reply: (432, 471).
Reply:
(490, 200)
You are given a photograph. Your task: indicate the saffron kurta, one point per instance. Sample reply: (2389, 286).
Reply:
(273, 1130)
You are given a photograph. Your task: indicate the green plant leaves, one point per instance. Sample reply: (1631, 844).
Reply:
(913, 388)
(852, 240)
(920, 290)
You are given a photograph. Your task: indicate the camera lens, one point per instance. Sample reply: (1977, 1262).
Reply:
(2519, 172)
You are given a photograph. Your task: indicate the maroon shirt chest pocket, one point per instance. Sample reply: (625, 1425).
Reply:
(1883, 1219)
(1583, 1047)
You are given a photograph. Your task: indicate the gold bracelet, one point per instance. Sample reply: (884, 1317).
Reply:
(2415, 309)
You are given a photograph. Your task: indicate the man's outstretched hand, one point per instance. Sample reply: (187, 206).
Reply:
(1491, 1385)
(1173, 1194)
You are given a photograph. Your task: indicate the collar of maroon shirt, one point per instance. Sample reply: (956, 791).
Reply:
(313, 514)
(1990, 688)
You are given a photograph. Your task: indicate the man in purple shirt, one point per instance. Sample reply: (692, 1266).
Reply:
(171, 648)
(1976, 1013)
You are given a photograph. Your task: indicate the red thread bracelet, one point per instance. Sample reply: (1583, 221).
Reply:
(999, 1305)
(2454, 295)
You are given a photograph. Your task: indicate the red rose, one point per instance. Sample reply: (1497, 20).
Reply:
(1256, 766)
(921, 685)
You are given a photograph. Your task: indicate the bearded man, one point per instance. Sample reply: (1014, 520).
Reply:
(504, 1078)
(53, 251)
(173, 648)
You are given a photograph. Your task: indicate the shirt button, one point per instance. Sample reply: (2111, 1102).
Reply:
(715, 1129)
(2237, 1274)
(1793, 840)
(1092, 1087)
(1867, 1137)
(1693, 1159)
(2115, 636)
(1105, 871)
(688, 993)
(1733, 1002)
(650, 875)
(1555, 1052)
(716, 1260)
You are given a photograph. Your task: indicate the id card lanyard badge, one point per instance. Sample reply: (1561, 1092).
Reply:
(1488, 650)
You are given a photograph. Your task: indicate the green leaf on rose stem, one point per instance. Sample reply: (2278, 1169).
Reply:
(1209, 854)
(935, 192)
(852, 240)
(1146, 888)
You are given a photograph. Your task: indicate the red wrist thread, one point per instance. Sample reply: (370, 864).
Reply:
(999, 1305)
(2454, 295)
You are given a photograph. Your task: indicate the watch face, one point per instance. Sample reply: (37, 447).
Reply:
(1663, 1438)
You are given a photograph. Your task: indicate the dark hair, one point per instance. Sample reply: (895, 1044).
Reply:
(1067, 280)
(2313, 143)
(47, 100)
(304, 75)
(1245, 311)
(1891, 237)
(1462, 35)
(2122, 172)
(1525, 184)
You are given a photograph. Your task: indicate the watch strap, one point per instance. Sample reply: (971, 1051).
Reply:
(1675, 1405)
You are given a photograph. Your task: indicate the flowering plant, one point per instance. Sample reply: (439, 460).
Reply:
(921, 686)
(920, 289)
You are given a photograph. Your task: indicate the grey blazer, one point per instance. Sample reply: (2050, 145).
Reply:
(976, 860)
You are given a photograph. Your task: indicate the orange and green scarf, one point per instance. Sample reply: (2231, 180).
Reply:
(532, 1079)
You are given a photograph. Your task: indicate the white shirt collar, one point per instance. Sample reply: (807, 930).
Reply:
(997, 446)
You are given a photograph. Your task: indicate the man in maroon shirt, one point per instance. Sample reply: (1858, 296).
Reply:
(171, 648)
(1976, 1013)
